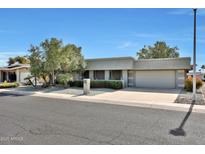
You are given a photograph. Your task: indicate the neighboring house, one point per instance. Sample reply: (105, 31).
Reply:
(199, 74)
(14, 73)
(147, 73)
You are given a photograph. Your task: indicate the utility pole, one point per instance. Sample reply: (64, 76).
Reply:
(194, 59)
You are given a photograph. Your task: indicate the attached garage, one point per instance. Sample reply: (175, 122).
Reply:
(155, 79)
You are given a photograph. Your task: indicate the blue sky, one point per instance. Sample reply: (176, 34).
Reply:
(101, 32)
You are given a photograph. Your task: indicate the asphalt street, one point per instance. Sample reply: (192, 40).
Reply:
(38, 120)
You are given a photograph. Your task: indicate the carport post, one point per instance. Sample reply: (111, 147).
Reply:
(194, 59)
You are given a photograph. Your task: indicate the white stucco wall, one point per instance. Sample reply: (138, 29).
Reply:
(22, 76)
(124, 78)
(180, 78)
(163, 64)
(17, 76)
(107, 74)
(110, 64)
(91, 74)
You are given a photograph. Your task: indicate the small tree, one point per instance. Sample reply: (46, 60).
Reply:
(72, 59)
(52, 58)
(44, 73)
(159, 50)
(35, 62)
(51, 50)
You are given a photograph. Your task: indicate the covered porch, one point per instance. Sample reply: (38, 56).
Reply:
(9, 75)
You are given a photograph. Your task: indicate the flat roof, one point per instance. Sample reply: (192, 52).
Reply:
(135, 59)
(111, 58)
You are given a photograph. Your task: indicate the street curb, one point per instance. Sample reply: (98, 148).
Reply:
(172, 107)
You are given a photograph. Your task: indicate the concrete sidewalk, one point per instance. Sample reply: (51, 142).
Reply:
(147, 99)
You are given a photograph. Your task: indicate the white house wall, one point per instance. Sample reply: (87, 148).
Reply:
(180, 78)
(23, 75)
(110, 64)
(160, 64)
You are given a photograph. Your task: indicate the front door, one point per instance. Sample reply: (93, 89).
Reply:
(3, 76)
(12, 76)
(130, 78)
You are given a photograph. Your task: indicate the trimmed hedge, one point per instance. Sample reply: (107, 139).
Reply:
(113, 84)
(78, 83)
(9, 85)
(189, 84)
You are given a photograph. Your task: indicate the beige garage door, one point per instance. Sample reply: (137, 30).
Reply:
(155, 79)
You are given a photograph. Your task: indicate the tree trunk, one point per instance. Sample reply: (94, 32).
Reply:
(35, 81)
(53, 78)
(31, 83)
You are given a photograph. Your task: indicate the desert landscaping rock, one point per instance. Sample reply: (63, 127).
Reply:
(186, 97)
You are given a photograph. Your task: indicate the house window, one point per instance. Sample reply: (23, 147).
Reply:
(99, 75)
(116, 75)
(86, 74)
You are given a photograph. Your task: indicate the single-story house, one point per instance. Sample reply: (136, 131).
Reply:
(14, 73)
(146, 73)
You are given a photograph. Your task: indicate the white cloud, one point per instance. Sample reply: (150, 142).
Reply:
(127, 44)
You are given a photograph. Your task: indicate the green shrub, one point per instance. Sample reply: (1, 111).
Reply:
(9, 84)
(64, 79)
(113, 84)
(189, 84)
(98, 84)
(116, 84)
(77, 83)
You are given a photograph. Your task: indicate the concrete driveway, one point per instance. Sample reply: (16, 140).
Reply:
(142, 95)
